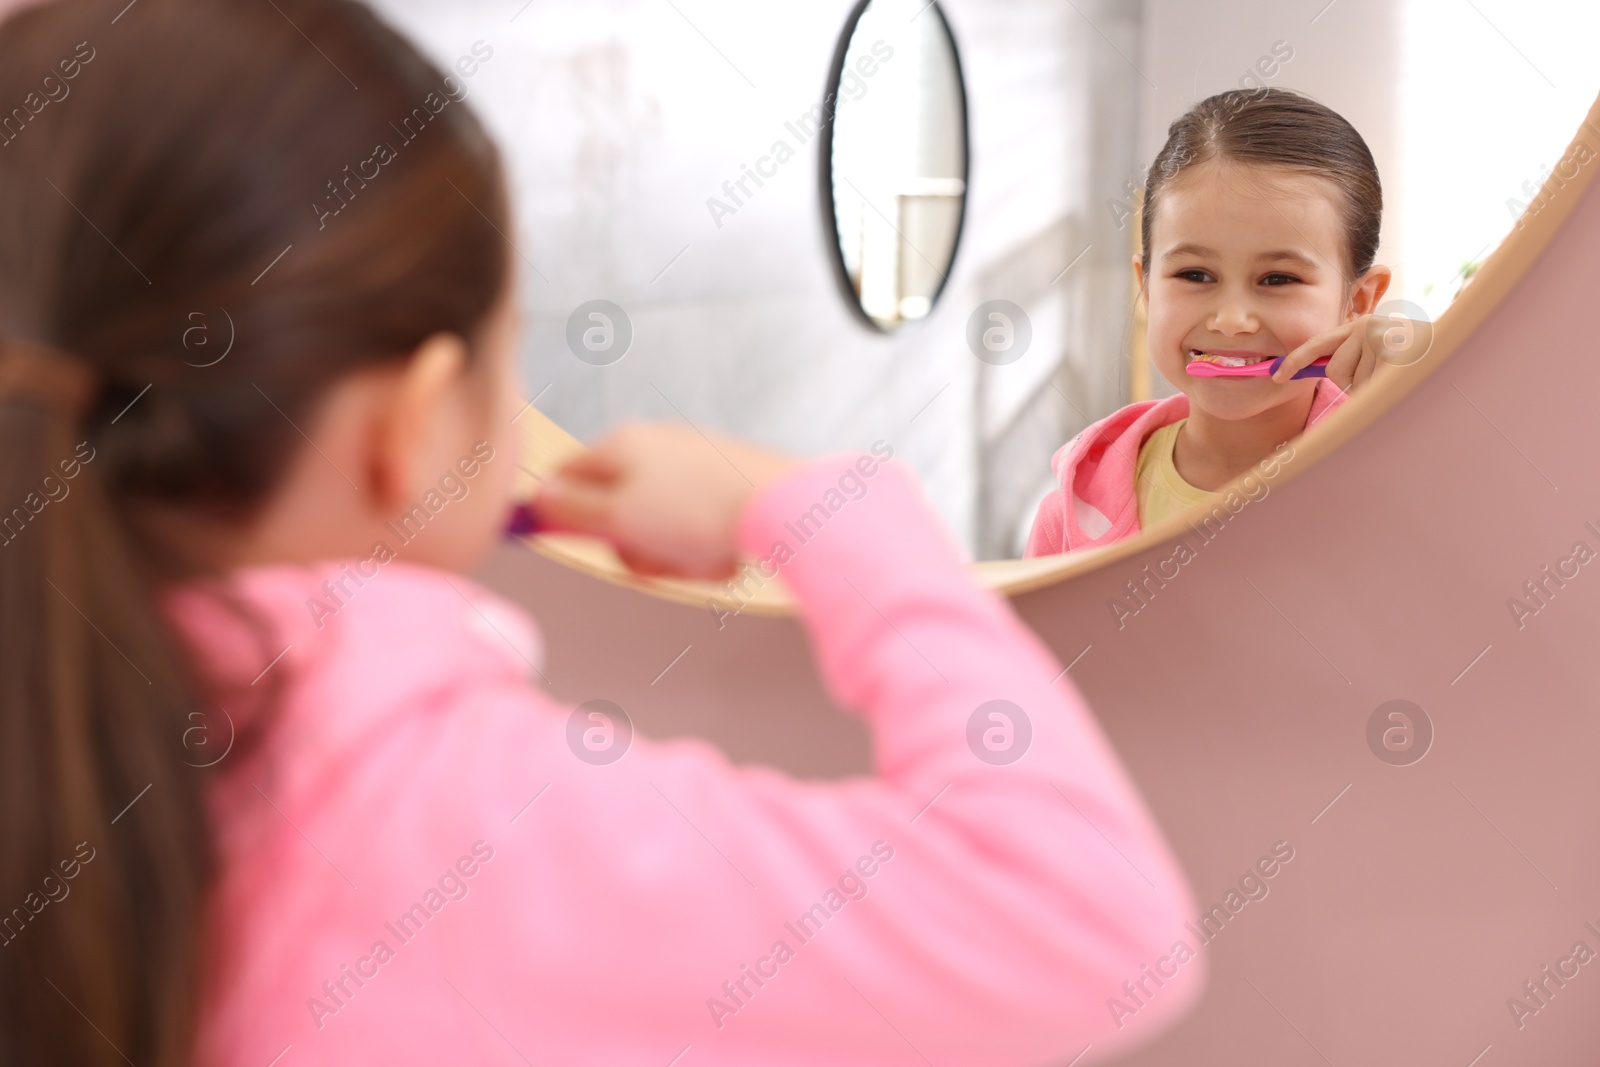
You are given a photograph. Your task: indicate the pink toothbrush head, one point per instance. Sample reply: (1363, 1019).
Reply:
(1200, 368)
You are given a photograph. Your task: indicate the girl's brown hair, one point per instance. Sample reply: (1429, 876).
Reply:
(1272, 127)
(168, 165)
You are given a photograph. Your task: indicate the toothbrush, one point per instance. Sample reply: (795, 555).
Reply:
(1199, 368)
(522, 522)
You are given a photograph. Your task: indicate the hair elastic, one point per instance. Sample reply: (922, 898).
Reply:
(44, 375)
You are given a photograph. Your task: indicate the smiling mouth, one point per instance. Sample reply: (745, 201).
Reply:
(1196, 355)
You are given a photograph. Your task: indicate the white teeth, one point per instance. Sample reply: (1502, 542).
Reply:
(1224, 361)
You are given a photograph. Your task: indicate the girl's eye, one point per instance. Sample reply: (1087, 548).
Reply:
(1193, 275)
(1279, 279)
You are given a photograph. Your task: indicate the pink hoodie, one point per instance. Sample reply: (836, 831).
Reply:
(417, 866)
(1095, 469)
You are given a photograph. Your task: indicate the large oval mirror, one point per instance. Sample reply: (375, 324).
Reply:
(896, 158)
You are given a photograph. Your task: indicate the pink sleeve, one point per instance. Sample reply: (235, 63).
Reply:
(955, 908)
(1030, 890)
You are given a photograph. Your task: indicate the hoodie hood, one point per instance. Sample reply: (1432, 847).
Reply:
(1094, 502)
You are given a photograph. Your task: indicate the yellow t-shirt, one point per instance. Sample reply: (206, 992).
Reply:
(1157, 484)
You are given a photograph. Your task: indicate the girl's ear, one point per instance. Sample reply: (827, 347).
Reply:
(1368, 292)
(1139, 280)
(412, 420)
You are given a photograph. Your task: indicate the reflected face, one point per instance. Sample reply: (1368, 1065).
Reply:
(1245, 265)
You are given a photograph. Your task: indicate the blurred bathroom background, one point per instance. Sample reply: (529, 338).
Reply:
(626, 123)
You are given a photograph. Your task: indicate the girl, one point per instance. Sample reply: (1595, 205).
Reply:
(257, 340)
(1261, 219)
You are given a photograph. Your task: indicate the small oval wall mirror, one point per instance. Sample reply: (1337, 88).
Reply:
(895, 163)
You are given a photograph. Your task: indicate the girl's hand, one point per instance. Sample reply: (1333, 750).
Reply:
(665, 496)
(1357, 348)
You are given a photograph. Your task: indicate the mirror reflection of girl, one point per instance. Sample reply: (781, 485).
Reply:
(327, 812)
(1260, 230)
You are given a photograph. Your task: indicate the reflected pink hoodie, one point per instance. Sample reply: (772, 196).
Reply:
(1094, 502)
(416, 866)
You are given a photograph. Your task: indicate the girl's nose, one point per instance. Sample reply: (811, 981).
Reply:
(1232, 317)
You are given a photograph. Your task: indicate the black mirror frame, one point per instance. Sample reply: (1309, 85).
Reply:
(830, 219)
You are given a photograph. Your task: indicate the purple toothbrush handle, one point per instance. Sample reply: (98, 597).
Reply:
(1319, 369)
(522, 522)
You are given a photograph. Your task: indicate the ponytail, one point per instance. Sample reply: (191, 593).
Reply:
(104, 849)
(140, 208)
